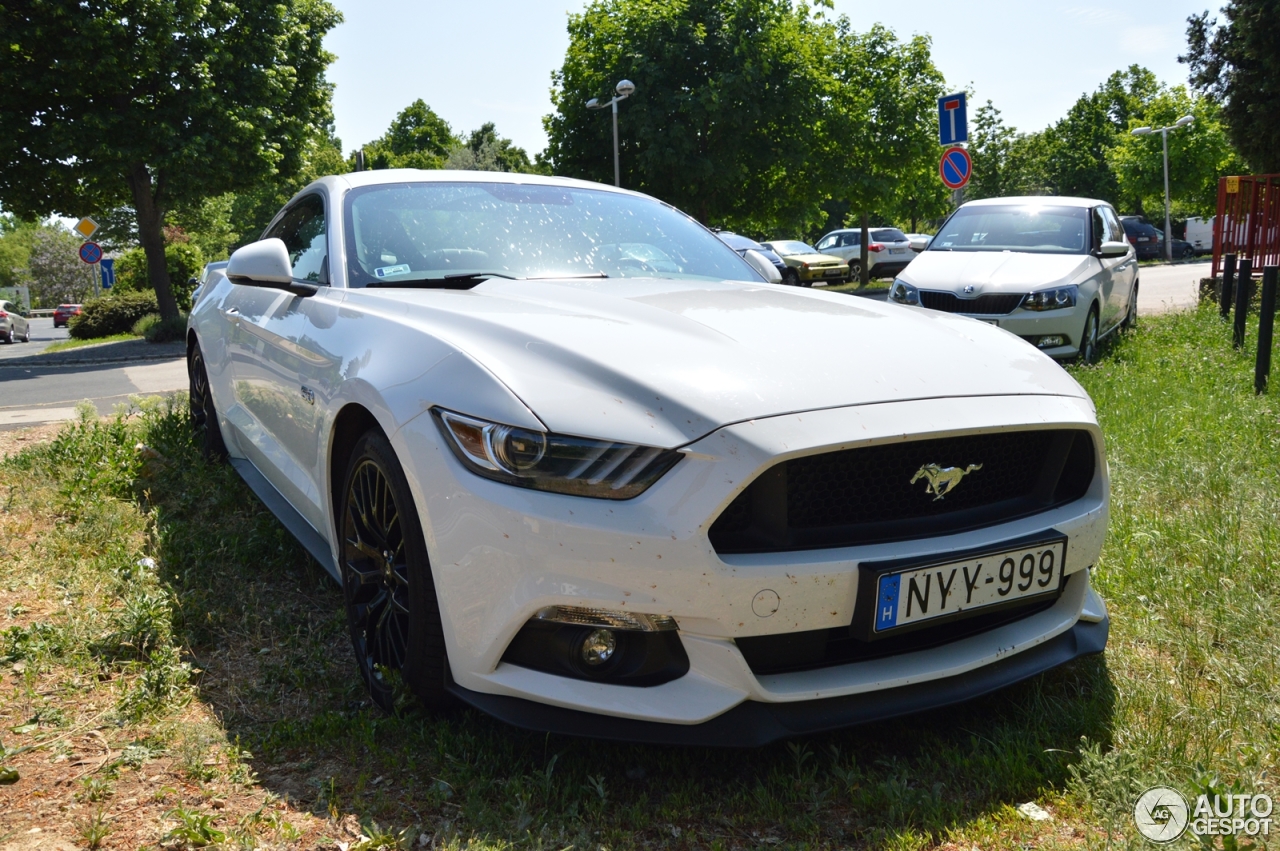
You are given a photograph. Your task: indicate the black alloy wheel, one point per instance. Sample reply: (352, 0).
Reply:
(204, 417)
(1089, 340)
(390, 598)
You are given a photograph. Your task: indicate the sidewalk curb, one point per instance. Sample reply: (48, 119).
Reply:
(110, 353)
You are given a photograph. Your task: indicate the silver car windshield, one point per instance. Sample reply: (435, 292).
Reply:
(406, 232)
(1037, 229)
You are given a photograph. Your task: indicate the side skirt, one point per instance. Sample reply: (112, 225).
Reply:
(287, 515)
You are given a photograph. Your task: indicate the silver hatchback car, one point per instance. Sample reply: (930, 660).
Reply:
(13, 324)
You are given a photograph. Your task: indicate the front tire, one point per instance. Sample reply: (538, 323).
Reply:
(791, 277)
(392, 610)
(1089, 340)
(204, 416)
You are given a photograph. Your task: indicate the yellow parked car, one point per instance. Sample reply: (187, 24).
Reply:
(806, 267)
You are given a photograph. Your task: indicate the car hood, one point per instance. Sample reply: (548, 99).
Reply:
(664, 362)
(815, 259)
(995, 271)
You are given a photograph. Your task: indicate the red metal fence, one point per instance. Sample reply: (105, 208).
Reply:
(1248, 220)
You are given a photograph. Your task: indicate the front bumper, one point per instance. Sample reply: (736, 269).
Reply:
(754, 724)
(1031, 325)
(499, 554)
(828, 274)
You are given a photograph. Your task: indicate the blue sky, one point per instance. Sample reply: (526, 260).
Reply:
(491, 60)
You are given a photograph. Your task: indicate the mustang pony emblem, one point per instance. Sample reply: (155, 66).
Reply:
(942, 480)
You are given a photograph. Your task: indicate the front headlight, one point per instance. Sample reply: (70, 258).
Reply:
(904, 293)
(1055, 299)
(578, 466)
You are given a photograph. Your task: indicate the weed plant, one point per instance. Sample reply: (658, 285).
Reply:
(147, 594)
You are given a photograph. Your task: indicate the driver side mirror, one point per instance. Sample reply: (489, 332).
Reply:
(265, 263)
(1113, 249)
(762, 265)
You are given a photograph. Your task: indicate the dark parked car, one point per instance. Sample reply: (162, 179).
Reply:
(742, 245)
(1146, 240)
(1182, 250)
(62, 314)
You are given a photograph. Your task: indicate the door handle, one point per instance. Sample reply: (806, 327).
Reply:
(232, 314)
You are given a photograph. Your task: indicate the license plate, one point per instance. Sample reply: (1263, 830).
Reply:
(924, 593)
(834, 273)
(897, 251)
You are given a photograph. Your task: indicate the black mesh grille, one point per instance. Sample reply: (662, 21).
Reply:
(983, 305)
(863, 496)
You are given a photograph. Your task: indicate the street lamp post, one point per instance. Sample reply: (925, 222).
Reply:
(624, 89)
(1164, 139)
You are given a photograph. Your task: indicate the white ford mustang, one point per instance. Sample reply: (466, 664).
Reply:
(576, 464)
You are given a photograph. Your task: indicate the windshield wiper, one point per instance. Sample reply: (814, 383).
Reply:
(567, 277)
(456, 281)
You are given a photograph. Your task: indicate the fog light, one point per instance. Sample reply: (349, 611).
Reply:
(598, 647)
(1051, 341)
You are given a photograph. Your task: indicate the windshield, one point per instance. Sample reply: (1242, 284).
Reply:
(786, 247)
(406, 232)
(1035, 229)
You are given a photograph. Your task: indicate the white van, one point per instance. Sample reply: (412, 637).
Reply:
(1200, 234)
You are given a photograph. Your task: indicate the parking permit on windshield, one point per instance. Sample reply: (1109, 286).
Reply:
(390, 271)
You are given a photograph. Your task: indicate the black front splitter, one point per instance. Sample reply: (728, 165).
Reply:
(752, 723)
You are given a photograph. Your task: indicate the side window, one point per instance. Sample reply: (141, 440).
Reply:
(827, 243)
(304, 234)
(853, 240)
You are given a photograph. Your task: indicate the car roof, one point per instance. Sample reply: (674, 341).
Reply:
(375, 177)
(1037, 200)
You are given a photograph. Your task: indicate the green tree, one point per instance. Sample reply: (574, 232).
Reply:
(54, 272)
(880, 121)
(417, 138)
(156, 103)
(731, 95)
(990, 144)
(1198, 154)
(15, 247)
(1076, 151)
(1238, 65)
(252, 210)
(485, 150)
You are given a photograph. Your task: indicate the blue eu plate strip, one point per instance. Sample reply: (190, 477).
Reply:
(887, 604)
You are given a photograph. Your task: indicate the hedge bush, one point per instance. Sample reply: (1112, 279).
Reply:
(113, 314)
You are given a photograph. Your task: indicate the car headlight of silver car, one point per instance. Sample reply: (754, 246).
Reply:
(904, 293)
(1054, 299)
(578, 466)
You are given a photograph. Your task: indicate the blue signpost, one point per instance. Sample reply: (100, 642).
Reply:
(108, 267)
(953, 119)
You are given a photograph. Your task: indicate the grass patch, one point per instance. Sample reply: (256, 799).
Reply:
(176, 669)
(63, 345)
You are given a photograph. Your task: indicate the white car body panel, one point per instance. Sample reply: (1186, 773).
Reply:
(715, 369)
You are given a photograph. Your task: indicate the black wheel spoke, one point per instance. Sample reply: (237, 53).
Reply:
(376, 577)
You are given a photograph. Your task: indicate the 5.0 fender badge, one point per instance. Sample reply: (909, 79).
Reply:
(942, 480)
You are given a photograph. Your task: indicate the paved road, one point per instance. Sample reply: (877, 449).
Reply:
(38, 394)
(42, 334)
(1165, 288)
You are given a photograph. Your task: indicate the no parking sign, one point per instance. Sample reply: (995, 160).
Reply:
(956, 168)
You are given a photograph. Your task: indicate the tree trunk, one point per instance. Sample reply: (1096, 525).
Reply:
(151, 235)
(864, 276)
